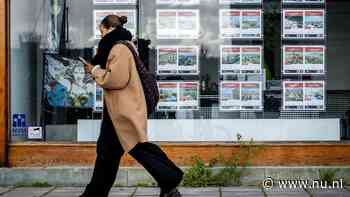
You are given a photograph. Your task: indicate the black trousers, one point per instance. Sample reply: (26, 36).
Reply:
(109, 152)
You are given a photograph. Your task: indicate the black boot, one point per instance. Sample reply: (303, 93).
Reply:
(172, 193)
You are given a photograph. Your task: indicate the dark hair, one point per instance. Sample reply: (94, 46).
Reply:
(112, 21)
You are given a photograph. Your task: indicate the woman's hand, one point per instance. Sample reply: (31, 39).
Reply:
(88, 68)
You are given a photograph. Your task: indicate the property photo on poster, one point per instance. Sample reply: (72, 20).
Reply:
(178, 24)
(240, 59)
(131, 25)
(228, 2)
(116, 2)
(66, 84)
(177, 60)
(240, 23)
(303, 59)
(188, 95)
(308, 24)
(303, 95)
(168, 96)
(240, 96)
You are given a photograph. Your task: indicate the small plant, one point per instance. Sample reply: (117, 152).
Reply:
(145, 184)
(199, 175)
(35, 184)
(328, 175)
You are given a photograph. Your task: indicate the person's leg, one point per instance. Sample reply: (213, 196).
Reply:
(156, 162)
(109, 152)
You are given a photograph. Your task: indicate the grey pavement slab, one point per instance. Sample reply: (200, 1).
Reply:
(65, 192)
(27, 192)
(241, 191)
(122, 191)
(203, 192)
(145, 191)
(330, 193)
(286, 192)
(4, 189)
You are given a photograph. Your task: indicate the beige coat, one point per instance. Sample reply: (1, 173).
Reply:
(124, 97)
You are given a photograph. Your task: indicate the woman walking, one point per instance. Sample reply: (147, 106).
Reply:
(124, 124)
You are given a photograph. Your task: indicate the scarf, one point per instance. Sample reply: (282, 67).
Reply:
(106, 44)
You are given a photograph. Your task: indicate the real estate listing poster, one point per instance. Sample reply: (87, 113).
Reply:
(303, 59)
(228, 2)
(303, 1)
(293, 95)
(116, 2)
(241, 59)
(167, 60)
(100, 14)
(240, 96)
(98, 104)
(188, 24)
(293, 59)
(230, 59)
(251, 24)
(178, 2)
(251, 59)
(188, 59)
(189, 96)
(303, 95)
(230, 23)
(314, 95)
(230, 96)
(177, 60)
(178, 24)
(314, 24)
(168, 96)
(251, 95)
(240, 23)
(308, 24)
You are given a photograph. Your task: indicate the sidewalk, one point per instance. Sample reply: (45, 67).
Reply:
(186, 192)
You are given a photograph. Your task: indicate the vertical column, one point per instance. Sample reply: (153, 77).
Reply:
(3, 82)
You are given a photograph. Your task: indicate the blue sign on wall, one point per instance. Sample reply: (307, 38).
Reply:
(18, 120)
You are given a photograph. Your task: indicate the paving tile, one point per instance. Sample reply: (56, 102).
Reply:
(241, 191)
(145, 191)
(66, 191)
(4, 189)
(122, 191)
(27, 192)
(203, 192)
(330, 193)
(286, 192)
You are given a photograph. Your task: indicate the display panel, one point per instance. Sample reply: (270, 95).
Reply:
(241, 23)
(303, 95)
(116, 2)
(178, 24)
(178, 95)
(303, 24)
(303, 59)
(98, 16)
(240, 96)
(240, 59)
(177, 60)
